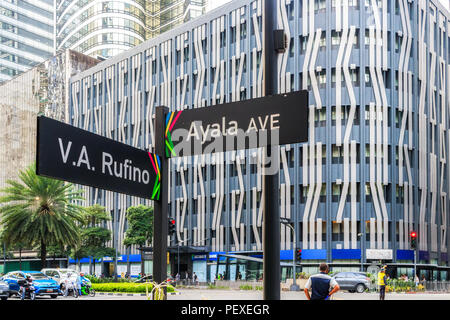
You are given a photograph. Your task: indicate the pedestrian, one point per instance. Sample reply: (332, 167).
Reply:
(423, 281)
(195, 278)
(382, 281)
(177, 277)
(321, 285)
(416, 280)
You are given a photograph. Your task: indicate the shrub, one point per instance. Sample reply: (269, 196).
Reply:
(95, 279)
(246, 287)
(125, 287)
(213, 286)
(302, 275)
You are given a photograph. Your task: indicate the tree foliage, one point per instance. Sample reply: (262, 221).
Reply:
(140, 226)
(40, 212)
(94, 235)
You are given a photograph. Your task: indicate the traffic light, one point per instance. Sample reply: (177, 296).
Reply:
(171, 227)
(413, 236)
(298, 255)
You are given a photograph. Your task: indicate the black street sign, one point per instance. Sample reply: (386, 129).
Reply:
(271, 120)
(68, 153)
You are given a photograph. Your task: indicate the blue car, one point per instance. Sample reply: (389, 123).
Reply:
(43, 284)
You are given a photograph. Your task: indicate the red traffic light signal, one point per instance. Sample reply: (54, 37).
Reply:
(171, 226)
(413, 236)
(298, 255)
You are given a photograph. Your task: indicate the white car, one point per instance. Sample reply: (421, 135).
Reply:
(60, 275)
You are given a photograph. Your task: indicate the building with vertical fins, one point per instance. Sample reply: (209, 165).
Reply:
(375, 166)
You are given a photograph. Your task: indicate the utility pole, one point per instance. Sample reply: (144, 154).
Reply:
(271, 217)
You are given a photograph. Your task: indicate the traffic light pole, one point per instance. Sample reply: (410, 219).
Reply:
(294, 286)
(271, 210)
(415, 270)
(161, 207)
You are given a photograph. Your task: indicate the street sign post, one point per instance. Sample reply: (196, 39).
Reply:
(71, 154)
(160, 209)
(271, 192)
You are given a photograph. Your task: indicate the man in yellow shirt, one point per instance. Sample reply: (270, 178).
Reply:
(382, 281)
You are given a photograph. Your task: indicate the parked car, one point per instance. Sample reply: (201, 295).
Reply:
(60, 275)
(4, 290)
(43, 284)
(352, 281)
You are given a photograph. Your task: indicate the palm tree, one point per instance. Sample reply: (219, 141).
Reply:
(40, 212)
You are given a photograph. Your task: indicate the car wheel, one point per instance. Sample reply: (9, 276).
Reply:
(53, 296)
(4, 298)
(32, 296)
(360, 288)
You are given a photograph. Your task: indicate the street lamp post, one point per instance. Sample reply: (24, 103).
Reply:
(362, 263)
(294, 286)
(4, 257)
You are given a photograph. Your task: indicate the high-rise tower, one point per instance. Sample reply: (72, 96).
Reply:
(26, 35)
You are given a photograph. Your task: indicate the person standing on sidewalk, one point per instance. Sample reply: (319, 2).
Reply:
(382, 281)
(321, 285)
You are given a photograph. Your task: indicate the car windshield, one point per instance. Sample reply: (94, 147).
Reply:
(65, 272)
(37, 275)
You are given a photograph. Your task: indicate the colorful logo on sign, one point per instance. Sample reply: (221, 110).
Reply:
(171, 119)
(156, 162)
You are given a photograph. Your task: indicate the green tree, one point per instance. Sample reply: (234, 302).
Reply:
(140, 228)
(40, 212)
(94, 235)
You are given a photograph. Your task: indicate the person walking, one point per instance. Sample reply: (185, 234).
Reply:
(321, 285)
(382, 281)
(195, 278)
(416, 280)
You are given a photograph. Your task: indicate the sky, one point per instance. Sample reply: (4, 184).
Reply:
(446, 3)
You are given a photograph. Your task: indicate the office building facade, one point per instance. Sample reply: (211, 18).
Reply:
(374, 167)
(26, 35)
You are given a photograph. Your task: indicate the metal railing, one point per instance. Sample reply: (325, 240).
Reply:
(437, 286)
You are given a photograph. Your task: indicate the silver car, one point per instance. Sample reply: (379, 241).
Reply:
(352, 281)
(60, 275)
(4, 290)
